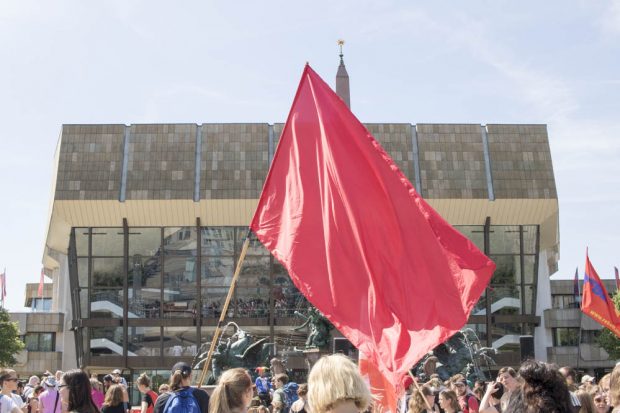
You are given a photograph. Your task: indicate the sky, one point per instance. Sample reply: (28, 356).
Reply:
(551, 62)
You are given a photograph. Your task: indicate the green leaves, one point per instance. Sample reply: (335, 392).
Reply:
(10, 343)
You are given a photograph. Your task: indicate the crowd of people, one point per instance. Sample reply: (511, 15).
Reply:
(535, 387)
(334, 385)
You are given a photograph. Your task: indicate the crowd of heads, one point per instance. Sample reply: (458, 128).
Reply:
(334, 385)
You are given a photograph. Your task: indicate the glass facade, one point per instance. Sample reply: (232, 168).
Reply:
(156, 292)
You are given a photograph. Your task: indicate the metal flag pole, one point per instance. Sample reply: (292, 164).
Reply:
(578, 304)
(218, 328)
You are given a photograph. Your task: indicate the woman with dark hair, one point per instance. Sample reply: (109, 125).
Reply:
(233, 393)
(75, 392)
(180, 382)
(544, 390)
(113, 402)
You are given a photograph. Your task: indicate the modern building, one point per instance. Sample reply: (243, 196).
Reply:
(146, 223)
(573, 334)
(42, 333)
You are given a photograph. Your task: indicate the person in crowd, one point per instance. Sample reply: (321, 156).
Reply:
(108, 380)
(233, 393)
(97, 392)
(8, 381)
(299, 405)
(262, 409)
(403, 402)
(34, 405)
(179, 385)
(149, 397)
(544, 390)
(74, 388)
(614, 389)
(448, 401)
(7, 405)
(587, 380)
(599, 397)
(20, 390)
(467, 401)
(113, 402)
(50, 398)
(417, 404)
(163, 388)
(586, 402)
(33, 382)
(490, 402)
(116, 374)
(58, 375)
(570, 375)
(336, 386)
(507, 376)
(278, 401)
(263, 386)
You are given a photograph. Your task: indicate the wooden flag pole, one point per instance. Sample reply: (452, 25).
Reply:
(417, 386)
(218, 328)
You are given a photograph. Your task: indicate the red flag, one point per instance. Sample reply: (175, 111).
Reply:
(384, 393)
(596, 302)
(40, 290)
(3, 285)
(358, 241)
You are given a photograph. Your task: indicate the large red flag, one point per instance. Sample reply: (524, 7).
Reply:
(595, 301)
(358, 241)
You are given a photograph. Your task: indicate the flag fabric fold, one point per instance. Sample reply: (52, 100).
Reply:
(596, 302)
(358, 241)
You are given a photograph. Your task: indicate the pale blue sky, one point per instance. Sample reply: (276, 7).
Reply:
(553, 62)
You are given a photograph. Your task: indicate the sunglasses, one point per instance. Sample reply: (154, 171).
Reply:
(63, 385)
(599, 399)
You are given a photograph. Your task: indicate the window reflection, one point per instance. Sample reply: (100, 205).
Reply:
(180, 240)
(180, 341)
(475, 233)
(180, 287)
(108, 272)
(217, 241)
(144, 286)
(81, 242)
(504, 239)
(108, 242)
(145, 341)
(107, 341)
(107, 303)
(144, 241)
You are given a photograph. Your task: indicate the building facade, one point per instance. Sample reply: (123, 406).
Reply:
(573, 334)
(146, 224)
(42, 333)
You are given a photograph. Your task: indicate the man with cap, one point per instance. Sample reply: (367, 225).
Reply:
(116, 373)
(468, 402)
(180, 382)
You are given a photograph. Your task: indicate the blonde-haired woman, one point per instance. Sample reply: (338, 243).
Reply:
(233, 393)
(336, 386)
(417, 404)
(180, 383)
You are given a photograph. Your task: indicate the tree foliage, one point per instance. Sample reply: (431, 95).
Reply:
(608, 340)
(10, 343)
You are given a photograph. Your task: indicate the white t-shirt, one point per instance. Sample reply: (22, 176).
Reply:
(7, 404)
(17, 399)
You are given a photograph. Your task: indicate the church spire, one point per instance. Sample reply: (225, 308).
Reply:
(342, 79)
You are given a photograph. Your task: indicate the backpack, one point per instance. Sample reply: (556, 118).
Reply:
(182, 401)
(290, 394)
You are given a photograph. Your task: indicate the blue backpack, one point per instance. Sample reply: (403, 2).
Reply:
(290, 391)
(182, 401)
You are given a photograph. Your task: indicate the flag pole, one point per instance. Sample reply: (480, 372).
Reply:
(419, 389)
(218, 328)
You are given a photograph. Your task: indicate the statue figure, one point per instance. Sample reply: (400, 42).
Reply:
(319, 328)
(239, 350)
(461, 353)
